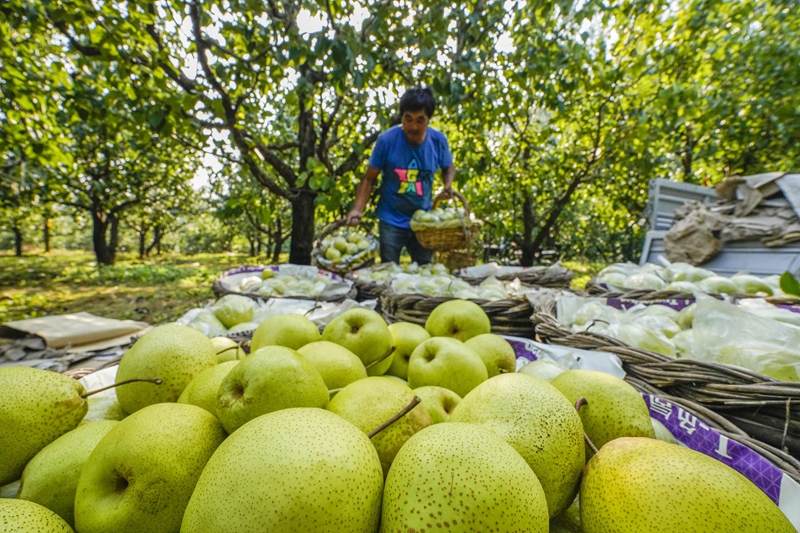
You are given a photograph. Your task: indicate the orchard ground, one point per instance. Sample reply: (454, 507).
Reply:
(156, 290)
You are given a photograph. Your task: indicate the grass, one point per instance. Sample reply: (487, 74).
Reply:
(155, 290)
(583, 272)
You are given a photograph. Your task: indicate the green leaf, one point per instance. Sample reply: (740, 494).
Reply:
(789, 284)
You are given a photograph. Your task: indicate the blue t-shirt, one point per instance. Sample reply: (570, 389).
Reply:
(407, 173)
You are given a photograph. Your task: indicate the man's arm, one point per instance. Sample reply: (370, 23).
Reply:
(447, 176)
(363, 193)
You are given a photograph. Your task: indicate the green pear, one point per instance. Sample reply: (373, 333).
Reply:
(36, 407)
(641, 484)
(496, 353)
(337, 365)
(614, 408)
(202, 390)
(20, 516)
(537, 421)
(460, 319)
(407, 337)
(293, 470)
(465, 478)
(543, 369)
(370, 402)
(140, 476)
(176, 354)
(448, 363)
(227, 349)
(51, 477)
(438, 402)
(270, 379)
(289, 330)
(364, 333)
(569, 521)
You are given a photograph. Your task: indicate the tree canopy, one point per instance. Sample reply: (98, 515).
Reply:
(558, 112)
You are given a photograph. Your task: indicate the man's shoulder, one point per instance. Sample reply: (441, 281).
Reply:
(391, 134)
(436, 135)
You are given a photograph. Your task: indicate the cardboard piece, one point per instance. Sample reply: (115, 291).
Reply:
(74, 329)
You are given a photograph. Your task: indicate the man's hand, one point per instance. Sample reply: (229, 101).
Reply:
(446, 194)
(353, 218)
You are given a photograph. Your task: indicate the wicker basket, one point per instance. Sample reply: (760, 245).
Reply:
(595, 288)
(362, 260)
(508, 317)
(756, 410)
(455, 260)
(220, 290)
(554, 277)
(447, 239)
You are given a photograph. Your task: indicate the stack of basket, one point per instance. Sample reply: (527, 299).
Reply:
(755, 410)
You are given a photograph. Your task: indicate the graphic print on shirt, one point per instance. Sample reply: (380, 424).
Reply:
(409, 176)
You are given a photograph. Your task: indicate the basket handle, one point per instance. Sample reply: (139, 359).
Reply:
(338, 223)
(460, 197)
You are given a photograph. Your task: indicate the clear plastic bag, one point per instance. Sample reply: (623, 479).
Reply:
(724, 333)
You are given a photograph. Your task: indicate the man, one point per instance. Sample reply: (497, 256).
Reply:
(407, 157)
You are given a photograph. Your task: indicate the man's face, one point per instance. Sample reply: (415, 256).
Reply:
(415, 126)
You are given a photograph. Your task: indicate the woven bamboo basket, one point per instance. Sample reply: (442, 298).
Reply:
(447, 239)
(755, 410)
(220, 290)
(508, 317)
(594, 288)
(362, 260)
(554, 277)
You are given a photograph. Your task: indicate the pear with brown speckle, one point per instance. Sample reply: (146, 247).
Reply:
(141, 475)
(635, 485)
(370, 402)
(202, 390)
(175, 354)
(296, 470)
(462, 478)
(36, 407)
(539, 423)
(20, 516)
(51, 478)
(614, 408)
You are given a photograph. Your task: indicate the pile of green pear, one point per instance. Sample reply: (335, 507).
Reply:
(345, 247)
(364, 427)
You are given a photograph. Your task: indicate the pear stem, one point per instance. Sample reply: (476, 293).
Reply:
(238, 346)
(580, 403)
(384, 356)
(399, 415)
(331, 391)
(157, 381)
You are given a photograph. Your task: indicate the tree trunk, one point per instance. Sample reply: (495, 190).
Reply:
(252, 243)
(46, 235)
(142, 235)
(158, 233)
(528, 224)
(302, 228)
(17, 239)
(105, 235)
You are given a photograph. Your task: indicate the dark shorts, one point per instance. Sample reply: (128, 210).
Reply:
(394, 239)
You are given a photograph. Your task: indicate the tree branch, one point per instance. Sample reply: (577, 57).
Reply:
(87, 50)
(354, 159)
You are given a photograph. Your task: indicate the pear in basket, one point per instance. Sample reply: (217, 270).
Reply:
(672, 490)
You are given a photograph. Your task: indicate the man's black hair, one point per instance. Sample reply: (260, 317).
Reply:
(418, 99)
